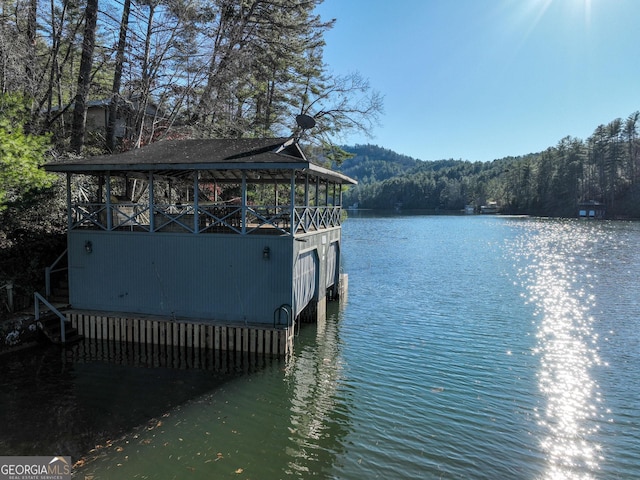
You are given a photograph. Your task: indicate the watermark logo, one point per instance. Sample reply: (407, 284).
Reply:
(35, 468)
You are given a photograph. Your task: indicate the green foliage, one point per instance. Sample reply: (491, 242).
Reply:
(21, 154)
(327, 154)
(370, 163)
(605, 168)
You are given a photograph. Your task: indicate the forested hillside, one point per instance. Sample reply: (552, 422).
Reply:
(605, 168)
(371, 163)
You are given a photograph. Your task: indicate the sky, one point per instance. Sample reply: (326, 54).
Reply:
(480, 80)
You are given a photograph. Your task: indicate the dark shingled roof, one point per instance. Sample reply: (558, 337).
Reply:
(229, 157)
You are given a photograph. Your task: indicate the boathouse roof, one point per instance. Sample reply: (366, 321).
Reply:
(268, 159)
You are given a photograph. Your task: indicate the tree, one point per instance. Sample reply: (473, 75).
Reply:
(260, 55)
(117, 77)
(630, 135)
(84, 77)
(14, 46)
(21, 154)
(343, 104)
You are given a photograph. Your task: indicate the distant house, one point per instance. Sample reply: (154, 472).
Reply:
(98, 116)
(592, 209)
(489, 208)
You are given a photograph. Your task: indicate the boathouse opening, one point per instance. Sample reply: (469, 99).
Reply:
(220, 233)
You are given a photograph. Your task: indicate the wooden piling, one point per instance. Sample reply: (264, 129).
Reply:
(148, 331)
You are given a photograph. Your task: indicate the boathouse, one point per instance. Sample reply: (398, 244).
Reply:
(224, 244)
(592, 209)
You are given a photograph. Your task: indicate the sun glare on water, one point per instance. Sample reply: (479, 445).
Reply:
(567, 351)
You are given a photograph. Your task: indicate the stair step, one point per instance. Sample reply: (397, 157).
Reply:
(49, 325)
(59, 299)
(50, 322)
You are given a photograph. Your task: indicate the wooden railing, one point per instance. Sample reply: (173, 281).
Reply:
(268, 216)
(206, 218)
(309, 219)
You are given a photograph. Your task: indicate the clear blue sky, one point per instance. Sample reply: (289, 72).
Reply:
(485, 79)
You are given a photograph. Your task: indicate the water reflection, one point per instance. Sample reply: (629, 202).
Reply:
(74, 400)
(313, 375)
(559, 283)
(283, 419)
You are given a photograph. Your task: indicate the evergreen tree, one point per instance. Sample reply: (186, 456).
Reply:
(21, 154)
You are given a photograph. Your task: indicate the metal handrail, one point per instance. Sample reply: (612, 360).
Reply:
(278, 311)
(39, 298)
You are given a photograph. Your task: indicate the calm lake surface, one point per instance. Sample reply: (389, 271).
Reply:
(480, 347)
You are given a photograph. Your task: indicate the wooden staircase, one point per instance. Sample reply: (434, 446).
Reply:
(49, 325)
(48, 308)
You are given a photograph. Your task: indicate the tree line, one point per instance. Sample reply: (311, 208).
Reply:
(604, 168)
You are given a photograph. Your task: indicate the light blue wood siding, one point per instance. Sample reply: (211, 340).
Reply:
(218, 277)
(321, 242)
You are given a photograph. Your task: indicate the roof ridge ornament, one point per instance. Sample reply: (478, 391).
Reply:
(286, 144)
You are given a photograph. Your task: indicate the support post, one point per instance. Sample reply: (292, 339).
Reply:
(243, 195)
(152, 208)
(196, 221)
(306, 190)
(292, 196)
(69, 211)
(108, 203)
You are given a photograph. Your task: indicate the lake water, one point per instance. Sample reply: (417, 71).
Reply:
(478, 347)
